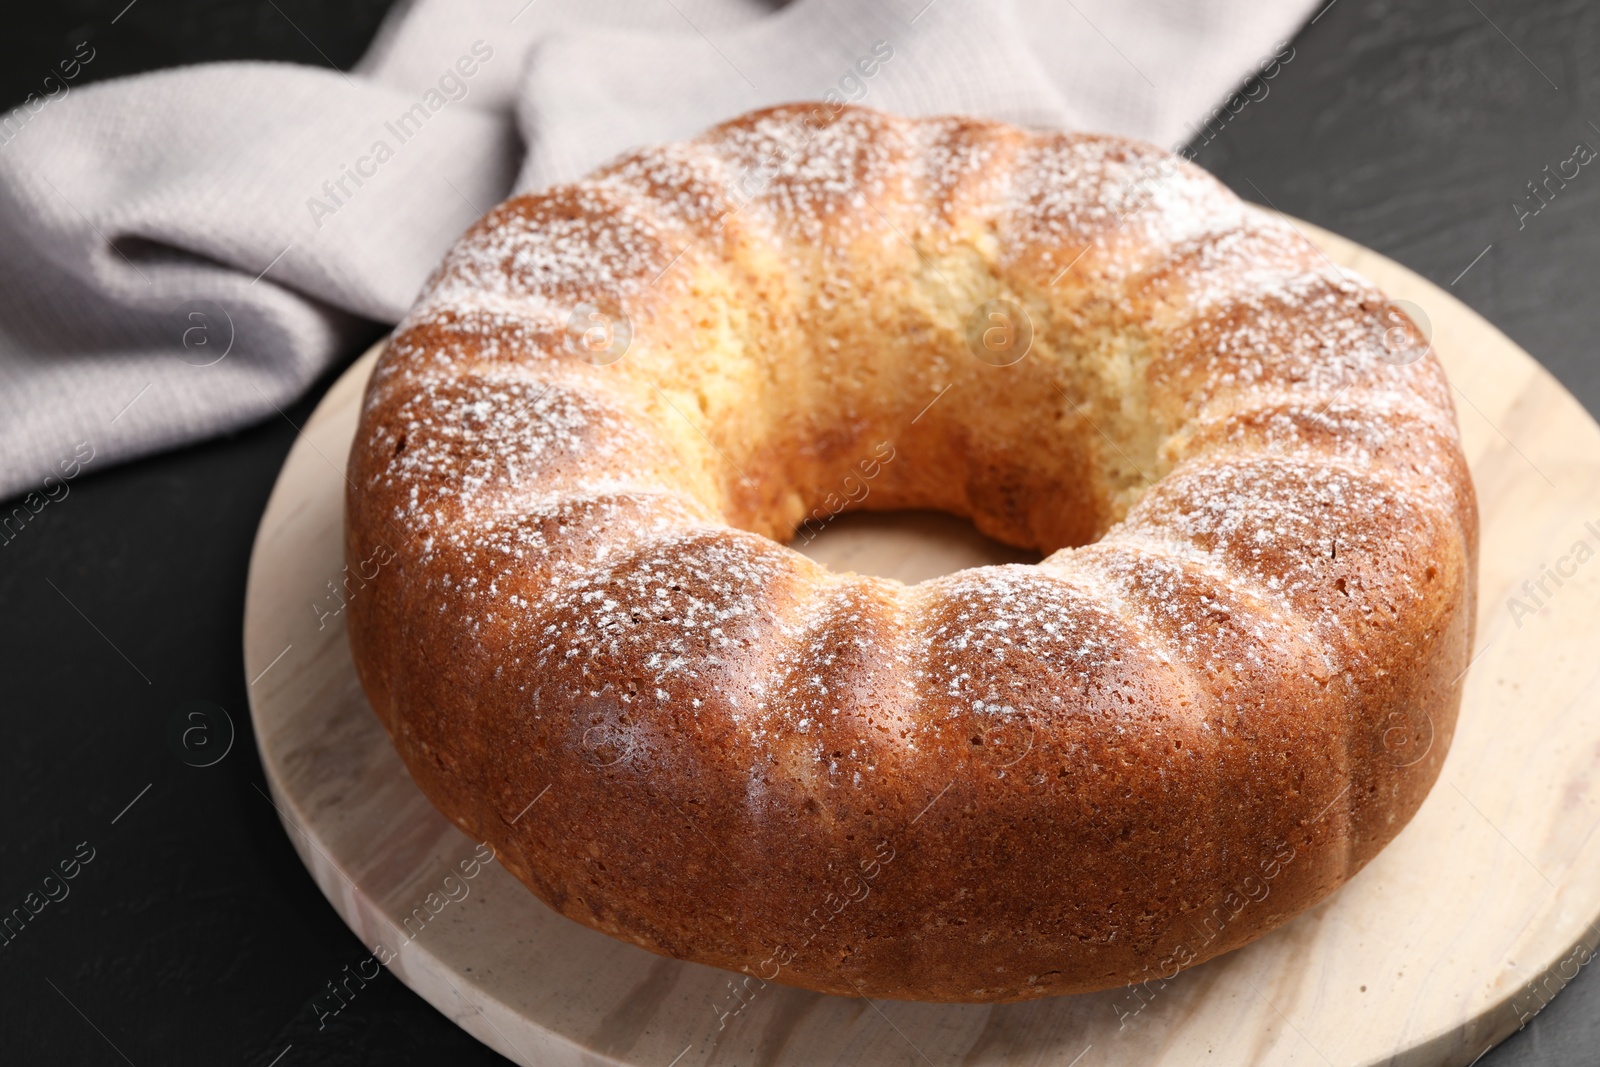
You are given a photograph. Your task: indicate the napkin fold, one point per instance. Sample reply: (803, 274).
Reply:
(184, 252)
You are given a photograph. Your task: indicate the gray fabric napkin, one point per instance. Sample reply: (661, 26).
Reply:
(182, 253)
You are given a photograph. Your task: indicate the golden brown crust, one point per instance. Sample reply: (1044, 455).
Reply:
(1231, 682)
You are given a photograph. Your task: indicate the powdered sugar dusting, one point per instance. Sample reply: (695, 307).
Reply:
(558, 504)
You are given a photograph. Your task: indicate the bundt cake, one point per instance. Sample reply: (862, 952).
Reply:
(1229, 683)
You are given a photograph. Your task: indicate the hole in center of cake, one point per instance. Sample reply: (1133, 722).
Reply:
(911, 546)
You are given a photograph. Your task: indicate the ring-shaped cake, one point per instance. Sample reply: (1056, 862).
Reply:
(1230, 681)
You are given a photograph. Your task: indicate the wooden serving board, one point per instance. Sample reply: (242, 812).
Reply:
(1479, 911)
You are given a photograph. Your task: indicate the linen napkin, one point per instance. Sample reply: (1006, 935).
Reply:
(182, 253)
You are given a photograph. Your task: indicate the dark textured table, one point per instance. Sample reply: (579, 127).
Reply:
(193, 934)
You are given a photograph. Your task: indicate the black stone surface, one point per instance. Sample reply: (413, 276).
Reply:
(194, 936)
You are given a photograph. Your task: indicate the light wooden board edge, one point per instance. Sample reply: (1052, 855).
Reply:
(1494, 380)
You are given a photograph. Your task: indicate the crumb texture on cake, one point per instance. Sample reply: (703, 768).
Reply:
(1231, 681)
